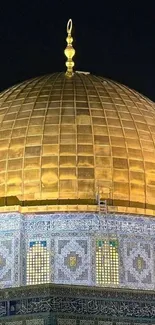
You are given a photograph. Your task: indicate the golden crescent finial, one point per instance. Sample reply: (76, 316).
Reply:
(69, 50)
(69, 26)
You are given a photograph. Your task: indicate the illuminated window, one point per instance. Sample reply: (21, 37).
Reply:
(107, 261)
(37, 263)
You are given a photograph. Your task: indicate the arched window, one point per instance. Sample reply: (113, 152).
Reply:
(107, 268)
(37, 263)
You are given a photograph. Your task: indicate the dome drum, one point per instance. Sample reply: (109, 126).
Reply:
(86, 249)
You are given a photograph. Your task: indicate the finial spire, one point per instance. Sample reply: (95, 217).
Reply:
(69, 50)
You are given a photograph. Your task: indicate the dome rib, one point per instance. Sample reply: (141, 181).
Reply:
(123, 135)
(87, 96)
(24, 86)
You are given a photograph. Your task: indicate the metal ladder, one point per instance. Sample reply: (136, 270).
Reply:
(103, 207)
(102, 204)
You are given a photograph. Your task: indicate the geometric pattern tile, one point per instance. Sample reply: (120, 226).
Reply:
(9, 260)
(73, 260)
(14, 323)
(126, 323)
(138, 262)
(10, 249)
(87, 322)
(62, 321)
(101, 322)
(35, 322)
(6, 255)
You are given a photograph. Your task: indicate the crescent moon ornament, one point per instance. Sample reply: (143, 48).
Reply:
(69, 50)
(69, 26)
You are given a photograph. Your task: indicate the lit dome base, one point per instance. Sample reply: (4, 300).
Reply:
(78, 249)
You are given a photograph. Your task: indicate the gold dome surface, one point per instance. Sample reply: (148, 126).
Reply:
(66, 138)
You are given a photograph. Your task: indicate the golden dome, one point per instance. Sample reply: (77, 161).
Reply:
(66, 138)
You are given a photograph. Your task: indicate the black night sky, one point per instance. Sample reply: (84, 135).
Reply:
(114, 39)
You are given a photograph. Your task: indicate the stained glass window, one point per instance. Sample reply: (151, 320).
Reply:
(107, 271)
(37, 263)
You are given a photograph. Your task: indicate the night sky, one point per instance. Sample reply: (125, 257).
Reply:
(114, 39)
